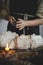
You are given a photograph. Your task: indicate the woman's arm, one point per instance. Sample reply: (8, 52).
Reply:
(21, 23)
(34, 22)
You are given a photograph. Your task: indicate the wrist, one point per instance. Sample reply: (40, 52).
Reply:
(26, 23)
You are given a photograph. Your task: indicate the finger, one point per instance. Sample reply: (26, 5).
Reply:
(19, 19)
(11, 20)
(14, 19)
(20, 28)
(19, 22)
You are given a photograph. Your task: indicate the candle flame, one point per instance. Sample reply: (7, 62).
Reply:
(7, 48)
(7, 45)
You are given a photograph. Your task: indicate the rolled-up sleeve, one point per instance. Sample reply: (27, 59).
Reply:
(40, 9)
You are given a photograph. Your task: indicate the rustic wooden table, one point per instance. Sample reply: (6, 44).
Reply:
(21, 57)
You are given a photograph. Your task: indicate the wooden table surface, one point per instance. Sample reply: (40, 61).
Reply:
(21, 57)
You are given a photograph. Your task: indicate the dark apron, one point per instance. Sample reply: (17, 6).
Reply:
(28, 30)
(24, 6)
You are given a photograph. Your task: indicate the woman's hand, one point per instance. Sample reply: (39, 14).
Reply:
(20, 24)
(11, 19)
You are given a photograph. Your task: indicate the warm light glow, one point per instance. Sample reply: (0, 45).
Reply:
(7, 48)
